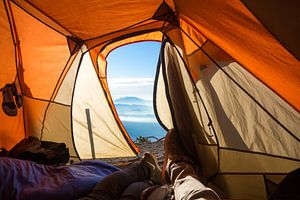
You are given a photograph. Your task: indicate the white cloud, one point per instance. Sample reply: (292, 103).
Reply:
(138, 119)
(137, 87)
(130, 82)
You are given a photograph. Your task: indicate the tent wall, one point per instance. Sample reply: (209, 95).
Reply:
(243, 131)
(234, 28)
(11, 128)
(161, 105)
(280, 19)
(276, 118)
(57, 118)
(7, 56)
(44, 52)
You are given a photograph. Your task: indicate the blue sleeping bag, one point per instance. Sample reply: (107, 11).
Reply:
(21, 179)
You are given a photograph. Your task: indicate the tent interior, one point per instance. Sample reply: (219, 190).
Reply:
(228, 80)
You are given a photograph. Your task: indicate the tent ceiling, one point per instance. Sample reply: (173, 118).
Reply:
(82, 19)
(281, 19)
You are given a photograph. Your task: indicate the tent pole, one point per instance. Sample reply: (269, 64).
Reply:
(89, 123)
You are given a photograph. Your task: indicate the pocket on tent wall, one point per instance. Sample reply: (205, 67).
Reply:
(95, 130)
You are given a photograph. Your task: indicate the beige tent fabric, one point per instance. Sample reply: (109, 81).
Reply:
(57, 126)
(231, 186)
(34, 115)
(161, 104)
(256, 162)
(247, 123)
(65, 91)
(180, 104)
(108, 139)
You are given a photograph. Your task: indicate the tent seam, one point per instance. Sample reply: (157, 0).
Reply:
(16, 4)
(210, 124)
(18, 55)
(187, 21)
(73, 34)
(243, 89)
(273, 35)
(38, 99)
(72, 101)
(155, 94)
(52, 96)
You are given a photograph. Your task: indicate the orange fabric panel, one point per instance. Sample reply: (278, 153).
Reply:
(11, 128)
(34, 115)
(7, 55)
(153, 36)
(92, 18)
(189, 45)
(94, 53)
(100, 58)
(36, 13)
(154, 26)
(44, 53)
(64, 74)
(233, 28)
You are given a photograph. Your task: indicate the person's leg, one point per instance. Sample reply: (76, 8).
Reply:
(178, 171)
(187, 185)
(113, 185)
(134, 190)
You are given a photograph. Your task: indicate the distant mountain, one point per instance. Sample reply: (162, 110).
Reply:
(134, 109)
(132, 101)
(138, 117)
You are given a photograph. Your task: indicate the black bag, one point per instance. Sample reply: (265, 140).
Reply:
(43, 152)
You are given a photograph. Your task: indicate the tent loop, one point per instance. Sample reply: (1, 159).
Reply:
(210, 122)
(166, 13)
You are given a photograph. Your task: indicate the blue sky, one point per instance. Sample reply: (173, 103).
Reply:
(131, 69)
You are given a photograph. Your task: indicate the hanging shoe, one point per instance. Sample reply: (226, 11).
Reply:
(8, 104)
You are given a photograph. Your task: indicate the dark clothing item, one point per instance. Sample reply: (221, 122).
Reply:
(123, 184)
(134, 190)
(42, 152)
